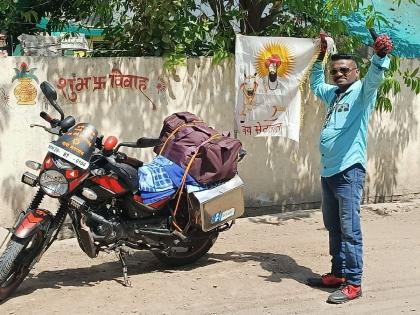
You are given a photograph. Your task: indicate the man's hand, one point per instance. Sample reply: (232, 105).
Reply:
(326, 44)
(383, 45)
(323, 45)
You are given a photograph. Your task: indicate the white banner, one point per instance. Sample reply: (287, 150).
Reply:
(74, 42)
(268, 80)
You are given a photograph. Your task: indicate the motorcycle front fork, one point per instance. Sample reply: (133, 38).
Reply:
(36, 201)
(55, 225)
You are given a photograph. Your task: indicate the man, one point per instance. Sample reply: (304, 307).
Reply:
(349, 104)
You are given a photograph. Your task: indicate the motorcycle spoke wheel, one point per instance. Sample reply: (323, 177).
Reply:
(15, 262)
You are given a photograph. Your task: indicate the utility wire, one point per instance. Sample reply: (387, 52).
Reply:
(36, 5)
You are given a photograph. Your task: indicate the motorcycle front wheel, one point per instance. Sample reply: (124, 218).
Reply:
(16, 260)
(187, 253)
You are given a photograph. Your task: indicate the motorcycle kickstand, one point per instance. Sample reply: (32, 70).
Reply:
(121, 256)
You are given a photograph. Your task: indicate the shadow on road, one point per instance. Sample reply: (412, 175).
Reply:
(280, 266)
(141, 262)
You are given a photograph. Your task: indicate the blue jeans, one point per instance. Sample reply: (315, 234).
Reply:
(341, 198)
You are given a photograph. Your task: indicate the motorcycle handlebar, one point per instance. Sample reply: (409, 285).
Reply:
(373, 33)
(50, 130)
(48, 118)
(242, 153)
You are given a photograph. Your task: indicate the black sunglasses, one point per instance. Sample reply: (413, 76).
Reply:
(342, 70)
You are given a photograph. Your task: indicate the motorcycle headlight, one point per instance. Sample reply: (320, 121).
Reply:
(53, 183)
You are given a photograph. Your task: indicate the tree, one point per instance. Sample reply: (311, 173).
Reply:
(178, 29)
(17, 18)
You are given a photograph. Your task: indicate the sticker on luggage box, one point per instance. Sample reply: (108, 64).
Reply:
(222, 215)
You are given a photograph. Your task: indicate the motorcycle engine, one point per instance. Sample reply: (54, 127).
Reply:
(110, 229)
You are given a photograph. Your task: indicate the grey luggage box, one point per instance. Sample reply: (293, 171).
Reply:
(220, 204)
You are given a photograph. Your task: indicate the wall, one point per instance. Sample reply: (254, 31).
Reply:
(277, 172)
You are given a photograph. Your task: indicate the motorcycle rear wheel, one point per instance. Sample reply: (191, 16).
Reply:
(16, 260)
(190, 254)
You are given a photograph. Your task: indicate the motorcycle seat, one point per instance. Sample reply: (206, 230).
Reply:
(133, 162)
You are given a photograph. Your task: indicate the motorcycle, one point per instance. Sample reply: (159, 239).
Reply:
(97, 188)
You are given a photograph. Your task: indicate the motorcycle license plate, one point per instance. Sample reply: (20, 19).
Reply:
(68, 156)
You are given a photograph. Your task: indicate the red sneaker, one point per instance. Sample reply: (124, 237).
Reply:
(327, 280)
(346, 293)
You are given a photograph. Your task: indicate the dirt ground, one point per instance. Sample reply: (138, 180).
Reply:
(257, 267)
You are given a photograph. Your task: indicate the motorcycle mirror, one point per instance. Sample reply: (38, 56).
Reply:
(241, 155)
(51, 94)
(49, 91)
(67, 123)
(140, 143)
(147, 142)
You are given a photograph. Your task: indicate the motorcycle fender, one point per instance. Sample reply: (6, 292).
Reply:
(33, 221)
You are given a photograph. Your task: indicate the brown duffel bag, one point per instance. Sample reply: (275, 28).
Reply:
(184, 134)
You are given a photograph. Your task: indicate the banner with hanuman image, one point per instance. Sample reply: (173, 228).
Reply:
(269, 74)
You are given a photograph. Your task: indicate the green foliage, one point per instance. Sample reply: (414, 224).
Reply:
(391, 85)
(372, 16)
(17, 17)
(179, 29)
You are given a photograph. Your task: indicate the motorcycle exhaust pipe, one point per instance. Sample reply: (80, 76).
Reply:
(158, 232)
(110, 229)
(80, 205)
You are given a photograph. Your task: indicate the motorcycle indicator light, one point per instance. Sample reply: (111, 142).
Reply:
(29, 179)
(110, 143)
(71, 174)
(76, 203)
(48, 162)
(33, 165)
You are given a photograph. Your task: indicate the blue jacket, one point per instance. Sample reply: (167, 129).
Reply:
(343, 136)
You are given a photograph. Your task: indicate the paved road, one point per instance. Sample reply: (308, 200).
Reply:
(258, 267)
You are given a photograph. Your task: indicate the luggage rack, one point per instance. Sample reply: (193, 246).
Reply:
(212, 207)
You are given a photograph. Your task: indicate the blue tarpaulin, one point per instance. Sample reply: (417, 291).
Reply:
(404, 28)
(72, 28)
